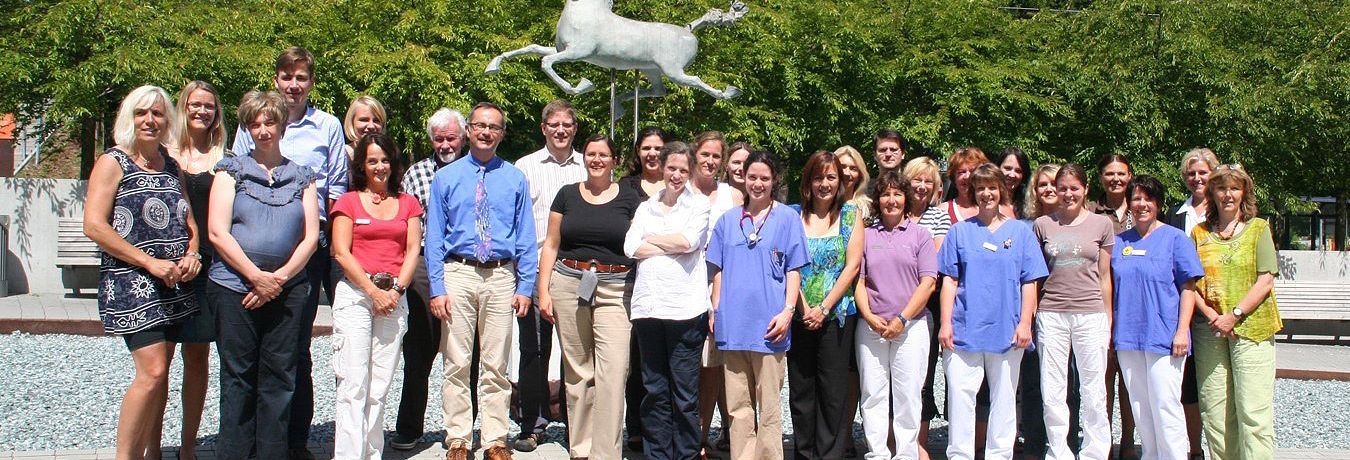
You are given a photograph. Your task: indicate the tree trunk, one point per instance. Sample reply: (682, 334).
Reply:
(88, 149)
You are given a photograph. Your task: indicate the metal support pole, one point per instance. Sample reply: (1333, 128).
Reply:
(613, 94)
(637, 91)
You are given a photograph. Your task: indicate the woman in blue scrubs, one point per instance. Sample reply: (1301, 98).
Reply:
(990, 264)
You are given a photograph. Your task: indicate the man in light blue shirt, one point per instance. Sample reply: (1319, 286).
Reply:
(313, 138)
(482, 261)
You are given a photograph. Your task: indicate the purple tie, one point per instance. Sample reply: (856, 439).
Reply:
(482, 218)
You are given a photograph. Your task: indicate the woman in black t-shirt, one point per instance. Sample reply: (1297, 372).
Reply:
(584, 288)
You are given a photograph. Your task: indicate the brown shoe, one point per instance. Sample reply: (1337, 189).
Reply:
(457, 452)
(497, 452)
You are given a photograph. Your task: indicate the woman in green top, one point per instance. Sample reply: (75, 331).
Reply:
(1235, 349)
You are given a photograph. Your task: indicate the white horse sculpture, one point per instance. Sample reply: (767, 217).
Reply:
(590, 31)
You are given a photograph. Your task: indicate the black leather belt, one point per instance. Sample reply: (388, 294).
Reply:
(475, 263)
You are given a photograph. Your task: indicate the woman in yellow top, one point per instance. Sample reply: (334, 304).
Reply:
(1235, 350)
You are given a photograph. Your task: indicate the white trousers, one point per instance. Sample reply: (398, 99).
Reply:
(966, 371)
(891, 374)
(1088, 335)
(1154, 382)
(366, 349)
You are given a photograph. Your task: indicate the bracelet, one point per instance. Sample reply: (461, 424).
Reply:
(195, 254)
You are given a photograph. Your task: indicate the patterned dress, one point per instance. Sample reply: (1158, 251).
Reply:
(149, 212)
(828, 257)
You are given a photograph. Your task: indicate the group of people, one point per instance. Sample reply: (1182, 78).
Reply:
(685, 285)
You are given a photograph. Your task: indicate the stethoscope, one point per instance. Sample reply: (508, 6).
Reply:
(753, 236)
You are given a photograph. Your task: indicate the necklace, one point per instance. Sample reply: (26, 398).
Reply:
(376, 197)
(142, 160)
(1229, 229)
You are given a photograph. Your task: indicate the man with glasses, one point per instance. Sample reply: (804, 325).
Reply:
(482, 262)
(889, 150)
(313, 139)
(548, 170)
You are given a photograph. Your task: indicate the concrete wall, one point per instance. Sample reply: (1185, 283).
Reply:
(1315, 265)
(33, 207)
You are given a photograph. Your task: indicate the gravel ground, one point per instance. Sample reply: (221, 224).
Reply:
(63, 392)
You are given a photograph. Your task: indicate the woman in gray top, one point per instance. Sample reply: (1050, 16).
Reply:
(264, 223)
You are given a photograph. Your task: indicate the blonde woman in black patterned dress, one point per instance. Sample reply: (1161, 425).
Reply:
(136, 213)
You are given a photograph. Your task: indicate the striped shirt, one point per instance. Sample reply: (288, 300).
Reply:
(936, 220)
(546, 176)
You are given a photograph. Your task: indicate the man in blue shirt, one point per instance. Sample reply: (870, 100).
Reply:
(313, 138)
(482, 262)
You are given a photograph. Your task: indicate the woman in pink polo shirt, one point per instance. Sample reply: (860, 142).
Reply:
(377, 237)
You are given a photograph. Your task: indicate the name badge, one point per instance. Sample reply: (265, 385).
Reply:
(990, 246)
(1140, 252)
(362, 221)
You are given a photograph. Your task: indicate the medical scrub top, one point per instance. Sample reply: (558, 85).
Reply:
(1149, 274)
(991, 268)
(754, 276)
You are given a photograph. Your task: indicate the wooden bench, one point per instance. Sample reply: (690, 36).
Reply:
(74, 250)
(1320, 307)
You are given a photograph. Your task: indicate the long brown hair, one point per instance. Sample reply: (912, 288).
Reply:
(1230, 175)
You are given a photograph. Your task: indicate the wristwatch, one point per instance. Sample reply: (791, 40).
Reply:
(1237, 312)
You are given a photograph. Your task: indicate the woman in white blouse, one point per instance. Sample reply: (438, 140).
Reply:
(670, 307)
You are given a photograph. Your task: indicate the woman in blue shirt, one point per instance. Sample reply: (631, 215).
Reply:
(990, 265)
(264, 224)
(1154, 266)
(756, 252)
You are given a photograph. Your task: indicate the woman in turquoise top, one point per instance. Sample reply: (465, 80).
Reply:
(818, 362)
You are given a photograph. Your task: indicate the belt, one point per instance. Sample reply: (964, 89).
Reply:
(475, 263)
(599, 267)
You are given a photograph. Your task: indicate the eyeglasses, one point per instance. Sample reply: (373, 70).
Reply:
(556, 125)
(487, 127)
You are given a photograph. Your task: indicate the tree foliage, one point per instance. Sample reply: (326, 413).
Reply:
(1264, 82)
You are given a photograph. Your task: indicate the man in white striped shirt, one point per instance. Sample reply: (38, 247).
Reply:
(548, 170)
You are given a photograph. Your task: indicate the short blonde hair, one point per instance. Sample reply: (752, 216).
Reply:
(864, 177)
(124, 126)
(270, 103)
(1032, 208)
(376, 111)
(1198, 154)
(215, 133)
(924, 166)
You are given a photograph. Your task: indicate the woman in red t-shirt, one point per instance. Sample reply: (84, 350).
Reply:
(377, 238)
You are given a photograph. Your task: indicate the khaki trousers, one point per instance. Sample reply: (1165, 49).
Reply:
(595, 344)
(754, 378)
(480, 306)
